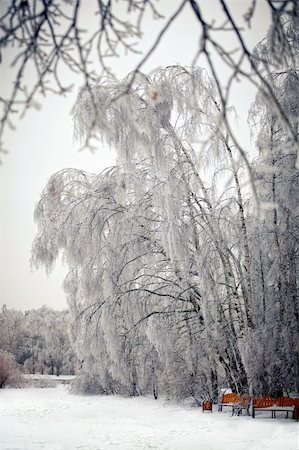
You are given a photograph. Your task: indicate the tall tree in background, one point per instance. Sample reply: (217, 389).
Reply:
(278, 182)
(12, 332)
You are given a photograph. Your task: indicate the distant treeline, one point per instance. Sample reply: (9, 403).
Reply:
(38, 339)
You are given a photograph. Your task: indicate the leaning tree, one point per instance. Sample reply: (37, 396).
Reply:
(159, 286)
(168, 275)
(176, 284)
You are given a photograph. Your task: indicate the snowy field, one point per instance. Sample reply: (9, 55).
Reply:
(53, 419)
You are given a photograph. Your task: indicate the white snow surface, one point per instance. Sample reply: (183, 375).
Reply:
(53, 419)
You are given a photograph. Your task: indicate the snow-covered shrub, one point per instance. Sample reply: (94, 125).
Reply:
(10, 371)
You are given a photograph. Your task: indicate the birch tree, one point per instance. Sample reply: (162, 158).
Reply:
(277, 176)
(134, 237)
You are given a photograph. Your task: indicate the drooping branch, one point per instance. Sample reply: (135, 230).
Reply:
(48, 39)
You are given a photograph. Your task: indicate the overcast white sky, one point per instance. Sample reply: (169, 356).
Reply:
(42, 144)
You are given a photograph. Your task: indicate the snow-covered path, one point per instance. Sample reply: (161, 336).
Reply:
(52, 419)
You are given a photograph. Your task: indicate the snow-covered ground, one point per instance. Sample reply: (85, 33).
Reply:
(53, 419)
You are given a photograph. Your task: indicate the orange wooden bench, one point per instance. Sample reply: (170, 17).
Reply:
(274, 405)
(230, 400)
(238, 403)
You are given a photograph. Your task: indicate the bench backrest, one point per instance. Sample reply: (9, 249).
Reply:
(267, 402)
(230, 398)
(284, 401)
(263, 402)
